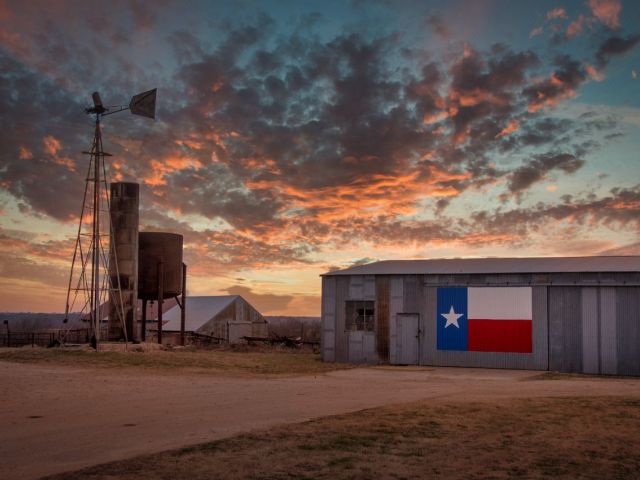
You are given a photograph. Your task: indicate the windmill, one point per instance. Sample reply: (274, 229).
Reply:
(89, 281)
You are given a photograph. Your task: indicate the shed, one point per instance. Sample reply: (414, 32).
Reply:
(568, 314)
(229, 317)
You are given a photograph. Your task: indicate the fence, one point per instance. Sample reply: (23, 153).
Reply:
(47, 338)
(190, 338)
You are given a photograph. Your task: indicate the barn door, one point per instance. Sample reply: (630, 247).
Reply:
(407, 338)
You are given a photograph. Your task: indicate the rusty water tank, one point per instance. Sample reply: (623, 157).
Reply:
(154, 246)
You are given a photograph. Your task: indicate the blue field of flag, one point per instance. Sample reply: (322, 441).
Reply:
(452, 319)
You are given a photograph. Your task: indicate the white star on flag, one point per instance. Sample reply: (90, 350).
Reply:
(452, 317)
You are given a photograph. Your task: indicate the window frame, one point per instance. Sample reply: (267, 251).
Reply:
(359, 315)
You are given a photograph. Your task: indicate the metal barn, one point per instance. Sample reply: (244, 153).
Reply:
(229, 317)
(574, 314)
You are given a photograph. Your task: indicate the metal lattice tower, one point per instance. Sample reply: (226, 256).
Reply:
(90, 284)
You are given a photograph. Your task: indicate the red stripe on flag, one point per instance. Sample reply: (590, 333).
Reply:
(500, 336)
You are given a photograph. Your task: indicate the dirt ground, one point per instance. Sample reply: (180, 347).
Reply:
(588, 438)
(61, 418)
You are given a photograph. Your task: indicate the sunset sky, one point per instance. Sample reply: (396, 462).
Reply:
(295, 137)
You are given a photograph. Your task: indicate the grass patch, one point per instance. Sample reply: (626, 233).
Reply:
(230, 362)
(576, 437)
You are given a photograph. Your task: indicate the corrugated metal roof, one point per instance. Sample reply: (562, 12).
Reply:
(199, 311)
(496, 265)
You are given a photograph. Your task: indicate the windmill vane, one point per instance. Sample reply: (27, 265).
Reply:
(142, 104)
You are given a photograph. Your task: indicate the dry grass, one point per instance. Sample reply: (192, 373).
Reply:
(219, 362)
(591, 438)
(574, 376)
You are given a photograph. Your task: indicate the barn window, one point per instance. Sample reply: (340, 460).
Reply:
(359, 315)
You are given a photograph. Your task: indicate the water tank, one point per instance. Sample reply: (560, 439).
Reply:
(154, 246)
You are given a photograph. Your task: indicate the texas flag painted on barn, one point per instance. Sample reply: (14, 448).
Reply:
(485, 319)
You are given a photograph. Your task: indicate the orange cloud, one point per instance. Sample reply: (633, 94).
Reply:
(513, 126)
(160, 169)
(576, 26)
(544, 101)
(607, 11)
(556, 13)
(536, 31)
(25, 154)
(115, 170)
(626, 205)
(47, 251)
(437, 117)
(65, 162)
(192, 144)
(594, 73)
(268, 164)
(51, 145)
(473, 97)
(368, 197)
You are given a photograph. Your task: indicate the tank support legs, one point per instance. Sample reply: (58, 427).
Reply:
(160, 295)
(183, 306)
(143, 329)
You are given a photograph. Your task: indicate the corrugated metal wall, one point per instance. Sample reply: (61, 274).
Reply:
(608, 331)
(595, 330)
(565, 329)
(396, 302)
(328, 312)
(537, 360)
(575, 328)
(628, 329)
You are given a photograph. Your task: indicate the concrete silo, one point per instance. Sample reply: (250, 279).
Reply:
(123, 260)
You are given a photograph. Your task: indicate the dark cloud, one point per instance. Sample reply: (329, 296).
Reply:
(438, 25)
(562, 84)
(615, 46)
(484, 88)
(537, 169)
(620, 209)
(38, 133)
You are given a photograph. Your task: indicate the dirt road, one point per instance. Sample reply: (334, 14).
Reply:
(54, 419)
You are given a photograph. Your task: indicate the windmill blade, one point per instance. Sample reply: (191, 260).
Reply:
(144, 104)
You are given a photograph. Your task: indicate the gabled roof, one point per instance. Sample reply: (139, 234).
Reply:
(496, 265)
(199, 311)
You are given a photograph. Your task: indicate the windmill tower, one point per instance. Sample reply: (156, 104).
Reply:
(90, 282)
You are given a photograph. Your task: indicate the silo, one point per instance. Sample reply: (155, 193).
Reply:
(123, 259)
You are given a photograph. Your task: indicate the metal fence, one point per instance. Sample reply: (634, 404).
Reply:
(47, 338)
